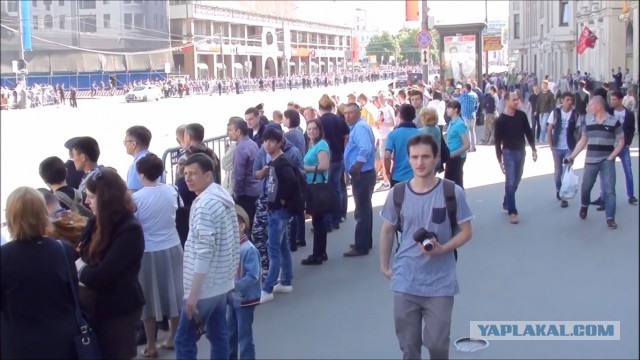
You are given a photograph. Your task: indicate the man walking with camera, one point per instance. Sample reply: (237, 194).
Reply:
(423, 278)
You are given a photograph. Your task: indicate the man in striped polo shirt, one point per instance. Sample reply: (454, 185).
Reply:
(211, 257)
(602, 135)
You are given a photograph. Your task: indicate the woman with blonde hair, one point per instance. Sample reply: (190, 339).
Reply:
(429, 118)
(111, 250)
(38, 312)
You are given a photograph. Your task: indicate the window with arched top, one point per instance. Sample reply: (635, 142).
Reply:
(48, 22)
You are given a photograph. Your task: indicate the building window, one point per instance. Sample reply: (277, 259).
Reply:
(564, 13)
(12, 6)
(86, 4)
(516, 26)
(48, 22)
(127, 1)
(106, 21)
(138, 21)
(128, 21)
(62, 21)
(34, 21)
(35, 3)
(88, 24)
(105, 2)
(138, 1)
(61, 2)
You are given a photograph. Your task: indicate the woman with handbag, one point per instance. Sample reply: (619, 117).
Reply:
(316, 166)
(38, 313)
(111, 250)
(161, 271)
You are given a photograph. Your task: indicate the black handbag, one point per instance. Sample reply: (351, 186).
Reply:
(86, 342)
(182, 221)
(321, 198)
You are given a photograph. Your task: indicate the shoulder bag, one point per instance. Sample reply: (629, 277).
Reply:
(86, 342)
(321, 197)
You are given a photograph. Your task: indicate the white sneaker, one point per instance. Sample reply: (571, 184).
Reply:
(265, 296)
(282, 288)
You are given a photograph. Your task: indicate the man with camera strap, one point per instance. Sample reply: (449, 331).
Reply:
(423, 277)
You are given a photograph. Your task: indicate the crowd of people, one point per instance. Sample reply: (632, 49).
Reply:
(203, 253)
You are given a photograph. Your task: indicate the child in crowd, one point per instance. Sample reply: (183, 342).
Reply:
(245, 296)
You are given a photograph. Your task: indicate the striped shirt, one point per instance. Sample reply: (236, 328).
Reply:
(212, 247)
(468, 104)
(601, 137)
(415, 273)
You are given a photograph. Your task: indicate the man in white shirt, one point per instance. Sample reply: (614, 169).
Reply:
(211, 256)
(385, 124)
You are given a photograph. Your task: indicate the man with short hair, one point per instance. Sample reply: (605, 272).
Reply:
(359, 155)
(284, 198)
(603, 137)
(581, 99)
(417, 101)
(211, 258)
(256, 126)
(54, 172)
(194, 135)
(545, 104)
(136, 142)
(85, 152)
(396, 146)
(246, 187)
(562, 125)
(511, 130)
(469, 105)
(490, 113)
(626, 118)
(424, 282)
(74, 176)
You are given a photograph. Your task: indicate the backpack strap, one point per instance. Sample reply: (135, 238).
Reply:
(71, 204)
(398, 198)
(449, 189)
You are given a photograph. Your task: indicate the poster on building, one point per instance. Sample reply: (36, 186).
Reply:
(460, 58)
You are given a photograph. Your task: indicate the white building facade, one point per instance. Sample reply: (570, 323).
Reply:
(543, 37)
(251, 39)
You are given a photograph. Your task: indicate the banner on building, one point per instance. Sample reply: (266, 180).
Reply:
(25, 18)
(412, 10)
(586, 40)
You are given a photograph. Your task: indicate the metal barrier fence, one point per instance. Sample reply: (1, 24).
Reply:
(171, 156)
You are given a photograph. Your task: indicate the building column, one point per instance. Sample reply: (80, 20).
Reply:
(636, 40)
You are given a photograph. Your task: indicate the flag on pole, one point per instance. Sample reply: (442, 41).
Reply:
(412, 10)
(586, 40)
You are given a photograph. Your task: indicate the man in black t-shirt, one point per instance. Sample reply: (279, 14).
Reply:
(511, 129)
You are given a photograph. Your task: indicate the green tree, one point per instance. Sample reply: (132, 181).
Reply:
(383, 46)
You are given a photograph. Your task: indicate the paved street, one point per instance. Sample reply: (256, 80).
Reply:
(551, 266)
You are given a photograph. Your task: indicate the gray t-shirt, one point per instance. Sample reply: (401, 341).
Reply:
(413, 272)
(601, 138)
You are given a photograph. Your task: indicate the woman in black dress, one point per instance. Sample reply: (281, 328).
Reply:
(38, 318)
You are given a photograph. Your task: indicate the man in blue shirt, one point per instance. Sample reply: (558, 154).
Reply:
(136, 142)
(396, 148)
(358, 160)
(469, 106)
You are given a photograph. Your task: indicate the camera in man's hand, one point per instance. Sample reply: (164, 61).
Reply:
(425, 238)
(567, 161)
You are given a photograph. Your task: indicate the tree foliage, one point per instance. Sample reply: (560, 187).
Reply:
(402, 46)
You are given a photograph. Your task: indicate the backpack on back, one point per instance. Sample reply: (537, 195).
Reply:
(300, 196)
(449, 190)
(74, 204)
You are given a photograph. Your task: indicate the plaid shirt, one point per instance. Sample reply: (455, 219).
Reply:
(468, 104)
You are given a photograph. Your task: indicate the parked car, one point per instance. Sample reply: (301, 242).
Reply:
(144, 93)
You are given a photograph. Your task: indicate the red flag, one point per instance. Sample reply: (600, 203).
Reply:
(587, 40)
(412, 10)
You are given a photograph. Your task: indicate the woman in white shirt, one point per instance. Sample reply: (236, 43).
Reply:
(161, 271)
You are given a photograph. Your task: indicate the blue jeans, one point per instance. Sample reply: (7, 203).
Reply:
(513, 167)
(212, 313)
(336, 170)
(278, 250)
(625, 159)
(362, 186)
(607, 170)
(240, 322)
(543, 126)
(558, 157)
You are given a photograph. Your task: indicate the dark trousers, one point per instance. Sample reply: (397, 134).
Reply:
(319, 235)
(336, 170)
(248, 203)
(453, 170)
(295, 231)
(362, 186)
(345, 197)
